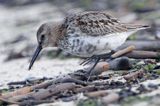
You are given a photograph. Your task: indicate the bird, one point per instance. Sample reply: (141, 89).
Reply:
(90, 34)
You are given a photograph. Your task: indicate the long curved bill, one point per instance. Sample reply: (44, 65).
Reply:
(39, 48)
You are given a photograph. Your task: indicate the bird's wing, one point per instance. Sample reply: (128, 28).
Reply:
(95, 23)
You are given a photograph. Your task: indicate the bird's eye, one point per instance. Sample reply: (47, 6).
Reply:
(42, 37)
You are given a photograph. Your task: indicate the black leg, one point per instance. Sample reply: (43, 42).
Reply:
(86, 61)
(105, 56)
(97, 59)
(90, 71)
(102, 56)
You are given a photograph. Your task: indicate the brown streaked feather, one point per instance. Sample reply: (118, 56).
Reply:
(96, 23)
(136, 27)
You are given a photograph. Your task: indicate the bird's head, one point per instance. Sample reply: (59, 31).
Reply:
(47, 36)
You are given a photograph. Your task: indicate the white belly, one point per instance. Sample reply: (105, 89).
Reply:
(89, 46)
(107, 43)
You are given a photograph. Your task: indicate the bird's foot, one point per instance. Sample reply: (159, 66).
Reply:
(88, 60)
(90, 70)
(94, 57)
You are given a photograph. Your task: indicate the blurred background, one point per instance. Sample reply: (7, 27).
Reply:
(20, 19)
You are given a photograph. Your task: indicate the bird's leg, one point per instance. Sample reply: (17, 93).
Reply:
(97, 59)
(103, 56)
(90, 71)
(86, 61)
(106, 56)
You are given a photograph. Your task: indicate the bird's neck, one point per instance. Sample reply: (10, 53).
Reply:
(59, 31)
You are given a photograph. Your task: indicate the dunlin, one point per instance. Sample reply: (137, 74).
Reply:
(88, 34)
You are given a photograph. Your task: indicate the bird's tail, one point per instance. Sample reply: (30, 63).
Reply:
(136, 27)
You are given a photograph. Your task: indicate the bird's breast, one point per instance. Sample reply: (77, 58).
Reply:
(86, 46)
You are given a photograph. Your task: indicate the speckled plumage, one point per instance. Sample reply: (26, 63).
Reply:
(94, 33)
(84, 34)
